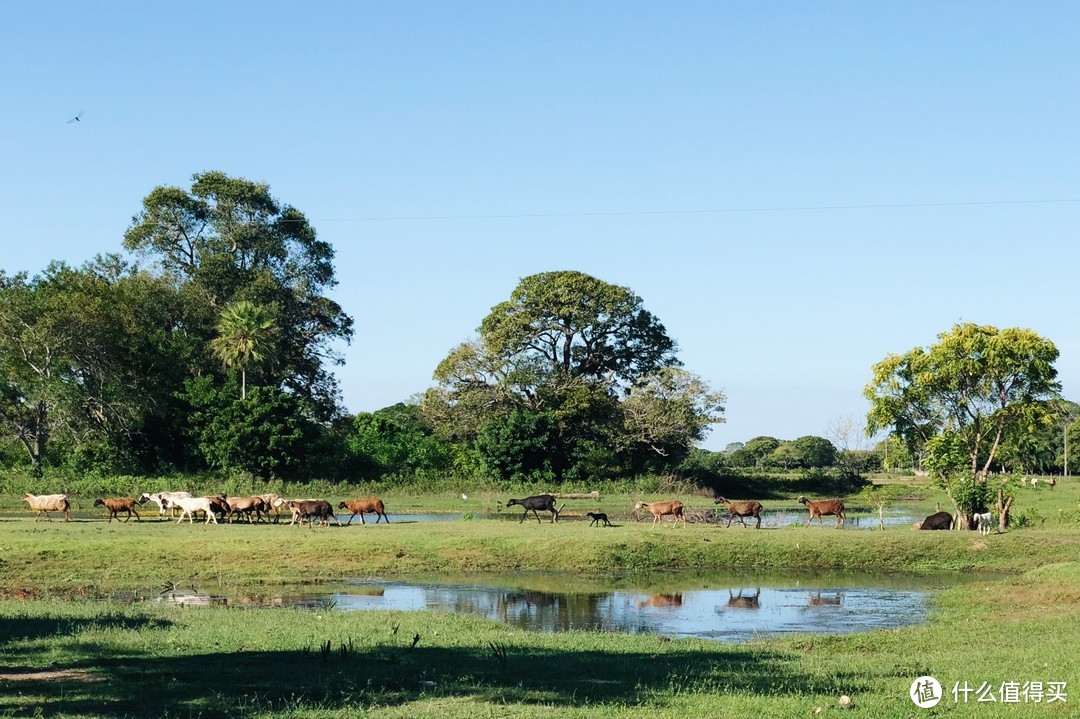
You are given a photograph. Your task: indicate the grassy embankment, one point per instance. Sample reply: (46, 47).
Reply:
(152, 660)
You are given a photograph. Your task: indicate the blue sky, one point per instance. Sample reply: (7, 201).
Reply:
(447, 149)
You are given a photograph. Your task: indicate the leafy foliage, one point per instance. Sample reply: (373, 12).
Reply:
(265, 434)
(232, 241)
(671, 410)
(978, 383)
(396, 439)
(570, 377)
(523, 445)
(87, 356)
(815, 451)
(574, 324)
(244, 331)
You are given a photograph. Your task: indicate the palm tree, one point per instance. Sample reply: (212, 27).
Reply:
(244, 331)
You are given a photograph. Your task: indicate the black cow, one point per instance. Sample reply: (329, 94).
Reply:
(941, 520)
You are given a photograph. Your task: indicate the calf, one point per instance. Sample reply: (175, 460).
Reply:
(598, 518)
(984, 521)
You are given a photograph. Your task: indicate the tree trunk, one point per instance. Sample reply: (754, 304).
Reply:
(243, 383)
(1003, 506)
(961, 519)
(36, 447)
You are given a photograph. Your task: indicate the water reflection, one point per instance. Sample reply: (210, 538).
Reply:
(730, 607)
(730, 614)
(738, 601)
(662, 600)
(817, 599)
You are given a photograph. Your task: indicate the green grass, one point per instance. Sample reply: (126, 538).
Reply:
(116, 660)
(154, 660)
(45, 559)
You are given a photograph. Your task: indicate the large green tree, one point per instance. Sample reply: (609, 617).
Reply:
(578, 373)
(396, 439)
(759, 448)
(570, 323)
(266, 434)
(814, 452)
(233, 241)
(978, 387)
(86, 355)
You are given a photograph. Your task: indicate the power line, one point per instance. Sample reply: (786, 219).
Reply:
(727, 210)
(632, 213)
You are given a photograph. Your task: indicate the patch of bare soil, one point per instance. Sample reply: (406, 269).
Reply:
(51, 675)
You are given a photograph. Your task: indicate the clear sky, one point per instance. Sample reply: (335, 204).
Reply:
(446, 150)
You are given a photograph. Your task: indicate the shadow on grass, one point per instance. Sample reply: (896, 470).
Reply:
(334, 676)
(21, 628)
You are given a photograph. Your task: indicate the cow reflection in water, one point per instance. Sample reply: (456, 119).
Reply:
(548, 611)
(661, 601)
(817, 599)
(744, 601)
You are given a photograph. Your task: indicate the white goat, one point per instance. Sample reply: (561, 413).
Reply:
(190, 505)
(162, 500)
(984, 521)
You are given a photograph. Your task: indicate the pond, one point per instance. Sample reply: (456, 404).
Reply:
(734, 607)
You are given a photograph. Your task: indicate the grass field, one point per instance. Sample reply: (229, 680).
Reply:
(64, 654)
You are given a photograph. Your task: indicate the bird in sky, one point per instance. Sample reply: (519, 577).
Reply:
(77, 118)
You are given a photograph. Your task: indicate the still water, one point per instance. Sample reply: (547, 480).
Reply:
(728, 608)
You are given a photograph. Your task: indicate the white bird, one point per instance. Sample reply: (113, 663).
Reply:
(464, 497)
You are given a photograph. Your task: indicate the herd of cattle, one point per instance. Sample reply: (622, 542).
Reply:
(182, 504)
(259, 507)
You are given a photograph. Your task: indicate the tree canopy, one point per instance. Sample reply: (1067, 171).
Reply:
(571, 376)
(244, 331)
(233, 241)
(76, 350)
(978, 383)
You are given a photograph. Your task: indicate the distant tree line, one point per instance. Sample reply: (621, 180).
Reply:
(212, 345)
